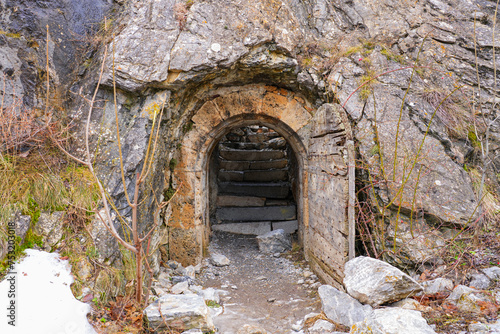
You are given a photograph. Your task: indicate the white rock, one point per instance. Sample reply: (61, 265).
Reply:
(411, 304)
(493, 273)
(437, 285)
(375, 282)
(210, 294)
(340, 307)
(179, 312)
(321, 327)
(219, 260)
(393, 321)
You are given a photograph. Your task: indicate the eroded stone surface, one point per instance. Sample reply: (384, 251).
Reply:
(179, 312)
(393, 321)
(375, 282)
(342, 308)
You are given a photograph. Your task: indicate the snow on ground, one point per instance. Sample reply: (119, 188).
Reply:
(43, 300)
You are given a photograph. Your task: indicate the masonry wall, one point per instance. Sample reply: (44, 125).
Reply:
(317, 138)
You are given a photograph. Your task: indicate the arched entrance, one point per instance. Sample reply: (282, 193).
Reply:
(319, 140)
(253, 182)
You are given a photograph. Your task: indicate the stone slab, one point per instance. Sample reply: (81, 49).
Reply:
(277, 164)
(246, 165)
(249, 155)
(240, 201)
(289, 226)
(265, 175)
(229, 175)
(254, 175)
(252, 228)
(268, 190)
(257, 213)
(234, 165)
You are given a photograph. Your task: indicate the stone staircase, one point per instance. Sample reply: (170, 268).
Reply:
(253, 180)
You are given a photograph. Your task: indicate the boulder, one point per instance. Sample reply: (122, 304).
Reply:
(179, 312)
(276, 241)
(375, 282)
(340, 307)
(393, 321)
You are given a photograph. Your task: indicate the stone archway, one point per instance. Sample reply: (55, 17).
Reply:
(319, 139)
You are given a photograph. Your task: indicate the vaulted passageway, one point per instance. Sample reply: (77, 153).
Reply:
(252, 181)
(220, 168)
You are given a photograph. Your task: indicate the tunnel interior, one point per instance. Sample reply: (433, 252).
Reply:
(253, 181)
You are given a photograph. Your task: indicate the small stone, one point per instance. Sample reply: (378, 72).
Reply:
(250, 329)
(307, 274)
(493, 273)
(234, 287)
(315, 285)
(261, 278)
(210, 294)
(271, 300)
(480, 281)
(219, 260)
(393, 320)
(437, 285)
(276, 241)
(321, 326)
(297, 327)
(173, 264)
(300, 281)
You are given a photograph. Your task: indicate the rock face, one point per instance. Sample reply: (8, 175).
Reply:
(23, 36)
(201, 62)
(393, 321)
(179, 312)
(276, 241)
(375, 282)
(340, 307)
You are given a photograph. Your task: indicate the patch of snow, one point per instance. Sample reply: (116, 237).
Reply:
(43, 299)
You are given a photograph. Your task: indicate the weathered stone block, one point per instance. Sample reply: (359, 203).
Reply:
(277, 164)
(249, 155)
(253, 228)
(257, 213)
(268, 190)
(227, 200)
(265, 175)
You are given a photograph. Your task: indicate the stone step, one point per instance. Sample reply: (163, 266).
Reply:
(246, 165)
(251, 155)
(246, 214)
(254, 176)
(250, 228)
(268, 190)
(228, 200)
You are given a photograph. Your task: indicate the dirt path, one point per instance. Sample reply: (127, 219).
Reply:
(262, 290)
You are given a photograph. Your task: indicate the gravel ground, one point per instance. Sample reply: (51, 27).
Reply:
(269, 292)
